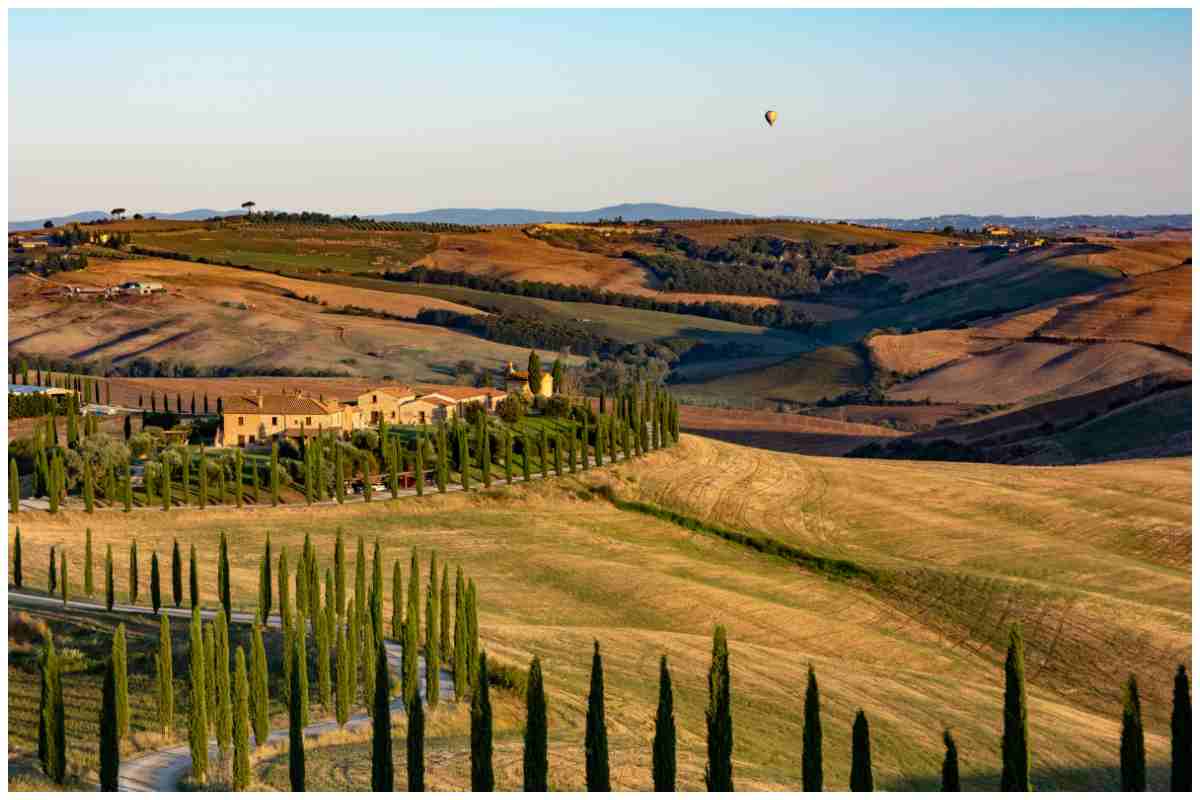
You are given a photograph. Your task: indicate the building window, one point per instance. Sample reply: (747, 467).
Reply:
(308, 420)
(374, 398)
(274, 420)
(241, 439)
(241, 420)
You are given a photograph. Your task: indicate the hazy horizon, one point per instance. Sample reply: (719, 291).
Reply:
(881, 113)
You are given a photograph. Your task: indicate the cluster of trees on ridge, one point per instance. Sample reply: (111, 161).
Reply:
(354, 222)
(351, 663)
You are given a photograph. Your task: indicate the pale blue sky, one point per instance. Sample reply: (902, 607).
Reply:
(898, 113)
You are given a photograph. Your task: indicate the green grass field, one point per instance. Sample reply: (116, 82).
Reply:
(807, 378)
(1144, 424)
(299, 249)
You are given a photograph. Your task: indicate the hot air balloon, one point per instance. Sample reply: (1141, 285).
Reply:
(771, 116)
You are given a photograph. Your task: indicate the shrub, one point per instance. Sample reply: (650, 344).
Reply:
(511, 409)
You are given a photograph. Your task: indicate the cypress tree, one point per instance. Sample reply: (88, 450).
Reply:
(274, 473)
(166, 677)
(461, 672)
(110, 744)
(155, 590)
(193, 578)
(89, 489)
(718, 776)
(583, 441)
(330, 618)
(595, 744)
(339, 475)
(664, 733)
(185, 477)
(176, 575)
(18, 575)
(525, 458)
(1181, 733)
(433, 661)
(536, 760)
(48, 741)
(343, 678)
(339, 573)
(52, 575)
(1133, 741)
(241, 724)
(444, 607)
(950, 782)
(89, 583)
(285, 600)
(482, 778)
(324, 680)
(198, 727)
(360, 581)
(861, 779)
(109, 589)
(254, 488)
(377, 593)
(223, 578)
(259, 688)
(352, 651)
(264, 581)
(382, 769)
(133, 573)
(415, 745)
(472, 633)
(397, 602)
(368, 673)
(412, 623)
(166, 484)
(1015, 744)
(14, 487)
(812, 767)
(300, 640)
(65, 583)
(302, 578)
(296, 720)
(485, 455)
(224, 704)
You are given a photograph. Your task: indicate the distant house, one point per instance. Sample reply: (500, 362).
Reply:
(257, 417)
(23, 388)
(381, 404)
(518, 382)
(141, 287)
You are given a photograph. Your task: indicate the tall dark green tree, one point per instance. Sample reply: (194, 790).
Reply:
(198, 718)
(224, 704)
(595, 743)
(66, 580)
(812, 771)
(155, 587)
(412, 638)
(52, 575)
(482, 777)
(285, 600)
(382, 768)
(664, 733)
(861, 777)
(176, 575)
(536, 760)
(193, 578)
(461, 651)
(89, 580)
(110, 739)
(343, 691)
(433, 652)
(339, 573)
(274, 473)
(397, 602)
(109, 589)
(259, 687)
(1014, 748)
(223, 578)
(444, 607)
(296, 720)
(472, 632)
(241, 724)
(264, 582)
(718, 775)
(414, 741)
(1133, 741)
(165, 669)
(950, 781)
(1181, 733)
(18, 575)
(55, 721)
(14, 487)
(134, 582)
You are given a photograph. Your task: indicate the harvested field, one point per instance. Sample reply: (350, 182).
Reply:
(899, 417)
(918, 352)
(789, 433)
(806, 378)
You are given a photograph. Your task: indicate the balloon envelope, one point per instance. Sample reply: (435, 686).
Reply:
(771, 116)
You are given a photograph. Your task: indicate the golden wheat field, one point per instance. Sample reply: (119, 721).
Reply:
(1094, 561)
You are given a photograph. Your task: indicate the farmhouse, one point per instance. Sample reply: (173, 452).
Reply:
(518, 381)
(141, 287)
(22, 388)
(381, 404)
(256, 417)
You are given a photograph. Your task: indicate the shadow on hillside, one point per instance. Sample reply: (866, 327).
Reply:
(1085, 779)
(783, 440)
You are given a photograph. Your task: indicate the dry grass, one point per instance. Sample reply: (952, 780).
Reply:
(556, 571)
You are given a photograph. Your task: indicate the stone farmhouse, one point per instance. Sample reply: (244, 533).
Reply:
(517, 382)
(259, 417)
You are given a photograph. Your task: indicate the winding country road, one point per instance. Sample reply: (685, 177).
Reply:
(162, 770)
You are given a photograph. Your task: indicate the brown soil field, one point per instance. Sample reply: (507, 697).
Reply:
(1087, 558)
(1025, 370)
(790, 433)
(902, 417)
(918, 352)
(1143, 254)
(199, 321)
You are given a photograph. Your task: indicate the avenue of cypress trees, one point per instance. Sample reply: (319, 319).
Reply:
(397, 602)
(950, 782)
(18, 576)
(812, 764)
(89, 581)
(241, 723)
(664, 733)
(718, 776)
(155, 589)
(176, 575)
(414, 745)
(223, 577)
(165, 669)
(57, 725)
(1015, 744)
(259, 688)
(185, 477)
(296, 720)
(595, 742)
(482, 777)
(133, 573)
(342, 702)
(198, 722)
(861, 777)
(210, 674)
(339, 573)
(65, 582)
(193, 578)
(224, 705)
(109, 588)
(382, 768)
(1133, 741)
(110, 740)
(536, 759)
(1181, 733)
(264, 582)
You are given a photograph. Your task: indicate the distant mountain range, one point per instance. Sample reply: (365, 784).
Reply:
(662, 211)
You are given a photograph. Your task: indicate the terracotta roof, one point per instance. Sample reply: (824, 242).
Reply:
(434, 401)
(459, 392)
(394, 391)
(284, 403)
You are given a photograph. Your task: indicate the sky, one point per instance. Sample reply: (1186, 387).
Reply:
(881, 113)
